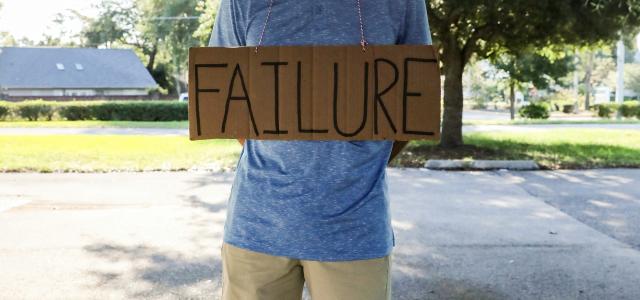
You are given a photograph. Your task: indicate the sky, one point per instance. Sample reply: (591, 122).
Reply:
(30, 18)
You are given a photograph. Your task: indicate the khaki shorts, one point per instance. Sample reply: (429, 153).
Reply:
(249, 275)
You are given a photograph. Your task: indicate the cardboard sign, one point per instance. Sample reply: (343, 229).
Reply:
(314, 93)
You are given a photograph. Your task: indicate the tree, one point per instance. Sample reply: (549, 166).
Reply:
(161, 31)
(535, 67)
(597, 66)
(632, 77)
(115, 24)
(174, 21)
(630, 53)
(208, 10)
(7, 40)
(485, 28)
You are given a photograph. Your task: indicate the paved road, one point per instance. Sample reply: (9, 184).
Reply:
(185, 132)
(460, 235)
(504, 115)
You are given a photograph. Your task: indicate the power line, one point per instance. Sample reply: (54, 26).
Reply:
(176, 18)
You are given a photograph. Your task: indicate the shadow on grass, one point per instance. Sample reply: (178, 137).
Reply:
(548, 155)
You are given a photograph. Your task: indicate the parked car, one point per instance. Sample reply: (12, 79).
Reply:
(183, 97)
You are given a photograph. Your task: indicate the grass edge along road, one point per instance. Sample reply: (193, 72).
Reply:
(568, 148)
(95, 124)
(524, 122)
(556, 149)
(110, 153)
(185, 124)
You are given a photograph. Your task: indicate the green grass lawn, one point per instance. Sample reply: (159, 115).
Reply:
(89, 153)
(551, 122)
(561, 148)
(556, 149)
(95, 124)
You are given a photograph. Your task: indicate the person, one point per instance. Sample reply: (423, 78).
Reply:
(312, 211)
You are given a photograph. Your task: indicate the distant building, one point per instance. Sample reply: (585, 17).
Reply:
(602, 94)
(65, 73)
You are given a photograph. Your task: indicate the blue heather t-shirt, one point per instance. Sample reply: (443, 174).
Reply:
(314, 200)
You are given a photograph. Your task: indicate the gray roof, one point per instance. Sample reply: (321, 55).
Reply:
(37, 68)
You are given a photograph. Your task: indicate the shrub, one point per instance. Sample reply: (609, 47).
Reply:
(535, 111)
(568, 108)
(629, 109)
(606, 110)
(35, 109)
(141, 111)
(5, 109)
(75, 111)
(560, 99)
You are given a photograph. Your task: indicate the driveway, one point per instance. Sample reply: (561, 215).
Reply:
(459, 235)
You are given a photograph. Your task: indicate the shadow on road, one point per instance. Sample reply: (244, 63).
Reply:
(164, 273)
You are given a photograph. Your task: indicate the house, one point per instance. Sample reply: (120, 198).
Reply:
(66, 73)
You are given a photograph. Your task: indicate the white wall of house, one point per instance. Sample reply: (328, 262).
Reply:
(80, 92)
(127, 92)
(73, 92)
(33, 93)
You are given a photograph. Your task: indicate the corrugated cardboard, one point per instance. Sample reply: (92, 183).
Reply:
(314, 93)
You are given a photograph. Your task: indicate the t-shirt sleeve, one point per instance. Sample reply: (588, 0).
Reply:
(227, 28)
(416, 26)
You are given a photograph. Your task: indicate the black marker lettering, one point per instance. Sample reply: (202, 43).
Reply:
(335, 101)
(406, 94)
(299, 92)
(276, 73)
(378, 98)
(238, 72)
(199, 90)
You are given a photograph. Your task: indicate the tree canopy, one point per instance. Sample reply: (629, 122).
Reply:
(161, 31)
(535, 67)
(486, 28)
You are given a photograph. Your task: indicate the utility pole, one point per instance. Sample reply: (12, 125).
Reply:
(620, 76)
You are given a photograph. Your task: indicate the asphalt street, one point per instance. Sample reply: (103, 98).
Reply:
(459, 235)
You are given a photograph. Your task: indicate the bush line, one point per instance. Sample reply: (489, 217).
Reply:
(628, 109)
(34, 110)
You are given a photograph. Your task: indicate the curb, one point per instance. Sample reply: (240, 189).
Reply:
(482, 165)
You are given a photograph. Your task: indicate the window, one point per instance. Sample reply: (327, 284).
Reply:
(60, 66)
(79, 67)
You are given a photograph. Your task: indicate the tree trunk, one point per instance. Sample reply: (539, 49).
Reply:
(177, 76)
(453, 99)
(512, 99)
(587, 81)
(152, 58)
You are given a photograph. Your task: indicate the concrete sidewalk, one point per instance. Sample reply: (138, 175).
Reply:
(459, 235)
